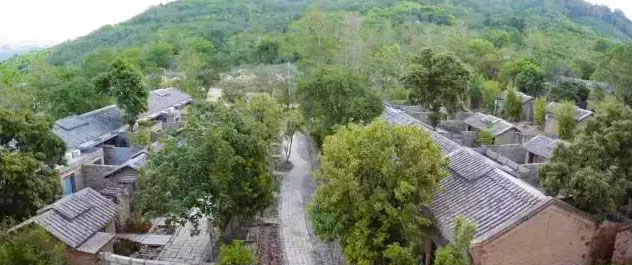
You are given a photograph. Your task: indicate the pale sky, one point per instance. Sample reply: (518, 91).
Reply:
(54, 21)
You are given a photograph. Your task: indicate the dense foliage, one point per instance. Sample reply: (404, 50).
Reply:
(437, 81)
(29, 152)
(566, 118)
(125, 83)
(593, 171)
(31, 245)
(236, 254)
(336, 96)
(513, 105)
(453, 253)
(217, 168)
(376, 181)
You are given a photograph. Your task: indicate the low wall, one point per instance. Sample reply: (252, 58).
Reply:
(468, 138)
(514, 152)
(107, 258)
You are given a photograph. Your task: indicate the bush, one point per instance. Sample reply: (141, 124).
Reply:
(31, 245)
(485, 138)
(236, 253)
(539, 111)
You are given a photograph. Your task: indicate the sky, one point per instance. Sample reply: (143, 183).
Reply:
(54, 21)
(50, 22)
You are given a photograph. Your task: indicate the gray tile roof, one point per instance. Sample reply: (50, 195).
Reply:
(580, 114)
(496, 126)
(89, 127)
(77, 217)
(475, 188)
(542, 145)
(79, 129)
(163, 99)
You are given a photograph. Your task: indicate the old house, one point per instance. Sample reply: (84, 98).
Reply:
(550, 124)
(84, 221)
(527, 104)
(503, 132)
(100, 137)
(540, 148)
(516, 223)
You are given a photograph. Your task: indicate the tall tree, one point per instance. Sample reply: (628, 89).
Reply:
(593, 171)
(218, 168)
(124, 82)
(530, 80)
(570, 90)
(29, 151)
(436, 81)
(337, 96)
(376, 181)
(615, 68)
(566, 119)
(453, 253)
(539, 111)
(513, 105)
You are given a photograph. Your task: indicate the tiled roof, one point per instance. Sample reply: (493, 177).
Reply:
(496, 126)
(542, 145)
(580, 114)
(79, 129)
(77, 217)
(163, 99)
(98, 125)
(476, 189)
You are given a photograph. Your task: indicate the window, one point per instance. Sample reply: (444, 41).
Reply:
(69, 184)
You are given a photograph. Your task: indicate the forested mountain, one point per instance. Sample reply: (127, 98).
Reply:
(196, 40)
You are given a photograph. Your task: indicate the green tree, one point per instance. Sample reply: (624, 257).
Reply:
(513, 105)
(29, 151)
(569, 90)
(376, 181)
(530, 80)
(475, 91)
(336, 96)
(156, 55)
(124, 82)
(31, 245)
(436, 81)
(453, 253)
(566, 120)
(293, 123)
(539, 110)
(592, 172)
(615, 68)
(490, 91)
(485, 138)
(236, 254)
(265, 110)
(217, 167)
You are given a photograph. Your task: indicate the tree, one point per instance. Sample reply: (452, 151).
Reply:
(569, 90)
(539, 110)
(218, 167)
(336, 96)
(485, 138)
(31, 245)
(530, 80)
(29, 151)
(615, 68)
(566, 120)
(124, 82)
(293, 123)
(475, 91)
(436, 81)
(513, 105)
(376, 181)
(491, 91)
(156, 55)
(592, 172)
(265, 110)
(236, 254)
(452, 253)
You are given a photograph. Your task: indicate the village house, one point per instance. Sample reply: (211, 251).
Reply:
(527, 104)
(516, 223)
(97, 143)
(550, 124)
(84, 221)
(540, 148)
(503, 132)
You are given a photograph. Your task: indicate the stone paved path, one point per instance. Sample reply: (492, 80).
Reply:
(299, 244)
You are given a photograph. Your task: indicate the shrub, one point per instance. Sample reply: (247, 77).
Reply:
(31, 245)
(485, 138)
(539, 111)
(236, 253)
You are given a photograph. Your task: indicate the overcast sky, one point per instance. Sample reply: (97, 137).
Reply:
(54, 21)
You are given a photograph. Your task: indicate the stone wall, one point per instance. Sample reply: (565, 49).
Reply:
(94, 176)
(116, 155)
(452, 126)
(468, 138)
(514, 152)
(623, 247)
(107, 258)
(529, 174)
